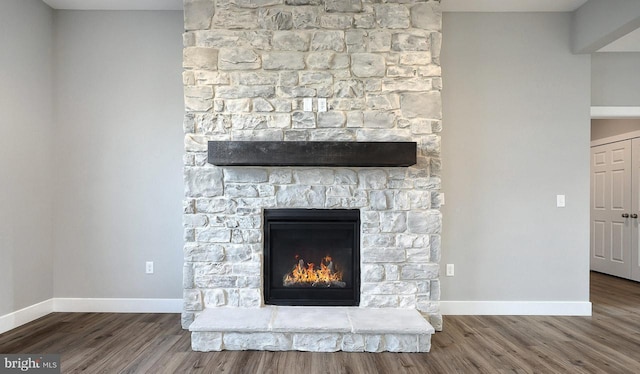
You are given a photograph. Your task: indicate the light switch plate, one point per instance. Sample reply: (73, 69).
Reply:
(560, 201)
(307, 104)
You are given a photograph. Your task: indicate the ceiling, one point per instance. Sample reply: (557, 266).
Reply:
(628, 43)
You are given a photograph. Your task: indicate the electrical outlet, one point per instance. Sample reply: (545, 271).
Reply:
(322, 104)
(149, 267)
(450, 270)
(560, 201)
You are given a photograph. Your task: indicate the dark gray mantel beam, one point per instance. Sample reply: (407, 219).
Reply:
(290, 153)
(600, 22)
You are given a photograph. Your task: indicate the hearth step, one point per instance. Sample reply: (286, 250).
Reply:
(314, 329)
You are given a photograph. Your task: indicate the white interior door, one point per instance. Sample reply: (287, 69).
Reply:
(635, 209)
(611, 221)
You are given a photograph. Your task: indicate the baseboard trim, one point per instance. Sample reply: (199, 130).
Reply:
(516, 308)
(604, 112)
(93, 305)
(25, 315)
(79, 305)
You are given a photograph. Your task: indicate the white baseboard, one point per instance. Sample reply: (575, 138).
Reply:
(82, 305)
(77, 305)
(516, 308)
(604, 112)
(25, 315)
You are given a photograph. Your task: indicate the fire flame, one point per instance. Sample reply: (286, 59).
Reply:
(311, 275)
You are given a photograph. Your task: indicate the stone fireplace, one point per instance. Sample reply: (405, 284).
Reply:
(249, 66)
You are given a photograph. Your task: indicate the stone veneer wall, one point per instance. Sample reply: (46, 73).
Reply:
(248, 64)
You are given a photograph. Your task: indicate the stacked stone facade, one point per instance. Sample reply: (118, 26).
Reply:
(248, 65)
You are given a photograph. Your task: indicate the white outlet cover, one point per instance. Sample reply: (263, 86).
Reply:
(322, 104)
(561, 201)
(307, 104)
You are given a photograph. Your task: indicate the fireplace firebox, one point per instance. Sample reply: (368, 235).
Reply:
(312, 257)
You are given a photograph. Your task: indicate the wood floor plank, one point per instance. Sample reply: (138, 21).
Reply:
(607, 342)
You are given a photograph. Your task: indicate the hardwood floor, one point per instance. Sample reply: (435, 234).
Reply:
(608, 342)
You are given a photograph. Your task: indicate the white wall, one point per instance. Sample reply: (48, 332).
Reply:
(118, 196)
(615, 79)
(26, 163)
(516, 133)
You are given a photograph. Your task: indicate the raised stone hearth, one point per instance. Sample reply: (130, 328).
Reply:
(315, 329)
(249, 65)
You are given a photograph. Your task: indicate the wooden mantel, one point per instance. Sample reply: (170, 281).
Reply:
(310, 153)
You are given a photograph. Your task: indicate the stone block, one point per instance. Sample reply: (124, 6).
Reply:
(218, 205)
(352, 88)
(237, 92)
(391, 272)
(245, 175)
(331, 119)
(346, 176)
(327, 41)
(206, 341)
(372, 179)
(238, 59)
(410, 42)
(314, 176)
(254, 78)
(365, 65)
(250, 297)
(415, 58)
(203, 182)
(426, 16)
(379, 119)
(306, 17)
(424, 222)
(304, 120)
(353, 343)
(364, 21)
(393, 16)
(378, 301)
(338, 135)
(192, 300)
(342, 6)
(317, 342)
(372, 273)
(291, 41)
(315, 77)
(379, 41)
(419, 271)
(214, 298)
(194, 220)
(261, 105)
(198, 98)
(401, 343)
(240, 190)
(254, 3)
(374, 343)
(233, 18)
(186, 319)
(257, 341)
(393, 222)
(300, 196)
(379, 254)
(283, 61)
(327, 60)
(389, 288)
(213, 235)
(201, 252)
(212, 123)
(237, 105)
(275, 19)
(336, 21)
(424, 105)
(198, 14)
(200, 58)
(280, 176)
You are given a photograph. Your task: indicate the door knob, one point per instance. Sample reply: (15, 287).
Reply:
(634, 215)
(625, 215)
